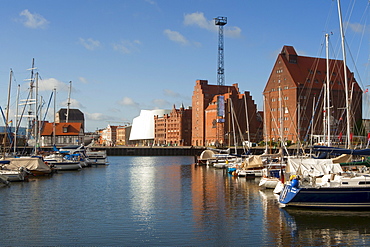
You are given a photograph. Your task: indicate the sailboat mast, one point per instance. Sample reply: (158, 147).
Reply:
(55, 98)
(16, 121)
(69, 100)
(29, 129)
(246, 118)
(36, 114)
(348, 110)
(312, 125)
(7, 112)
(327, 110)
(281, 115)
(232, 121)
(264, 124)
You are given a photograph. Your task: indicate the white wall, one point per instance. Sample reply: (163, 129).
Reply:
(143, 125)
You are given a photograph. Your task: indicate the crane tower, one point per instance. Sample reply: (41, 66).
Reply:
(220, 22)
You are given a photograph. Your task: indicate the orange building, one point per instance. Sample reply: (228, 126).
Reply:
(295, 84)
(220, 115)
(123, 134)
(173, 128)
(65, 134)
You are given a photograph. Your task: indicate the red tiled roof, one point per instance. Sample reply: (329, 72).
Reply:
(72, 129)
(311, 71)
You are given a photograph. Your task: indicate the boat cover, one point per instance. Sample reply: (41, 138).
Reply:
(207, 154)
(253, 161)
(312, 167)
(32, 164)
(344, 158)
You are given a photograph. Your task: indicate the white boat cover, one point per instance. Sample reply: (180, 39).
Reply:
(253, 161)
(207, 154)
(32, 164)
(344, 158)
(312, 167)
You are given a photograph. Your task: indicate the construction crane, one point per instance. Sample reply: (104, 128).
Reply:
(220, 22)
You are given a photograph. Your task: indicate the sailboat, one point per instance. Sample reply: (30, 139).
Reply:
(322, 183)
(31, 165)
(270, 179)
(12, 174)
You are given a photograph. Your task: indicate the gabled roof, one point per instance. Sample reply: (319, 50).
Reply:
(73, 129)
(311, 71)
(74, 114)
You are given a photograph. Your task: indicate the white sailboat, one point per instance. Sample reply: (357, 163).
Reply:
(12, 174)
(325, 184)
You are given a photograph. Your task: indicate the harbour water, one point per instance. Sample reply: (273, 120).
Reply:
(164, 201)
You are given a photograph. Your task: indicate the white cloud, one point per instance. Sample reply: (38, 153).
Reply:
(96, 116)
(33, 20)
(176, 37)
(89, 43)
(127, 46)
(169, 92)
(83, 80)
(198, 19)
(51, 83)
(161, 103)
(356, 27)
(74, 103)
(126, 101)
(232, 31)
(151, 2)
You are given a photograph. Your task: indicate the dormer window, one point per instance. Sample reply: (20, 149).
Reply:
(65, 129)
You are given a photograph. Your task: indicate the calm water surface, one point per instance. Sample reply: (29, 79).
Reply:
(164, 201)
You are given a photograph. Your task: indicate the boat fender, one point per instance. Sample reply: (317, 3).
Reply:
(294, 183)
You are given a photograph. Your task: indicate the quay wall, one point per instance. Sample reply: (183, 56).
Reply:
(154, 151)
(135, 151)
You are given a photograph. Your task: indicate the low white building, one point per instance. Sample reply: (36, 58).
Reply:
(143, 126)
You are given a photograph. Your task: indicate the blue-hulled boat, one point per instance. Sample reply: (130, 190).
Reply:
(322, 183)
(350, 193)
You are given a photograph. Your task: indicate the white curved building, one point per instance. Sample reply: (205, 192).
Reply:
(143, 125)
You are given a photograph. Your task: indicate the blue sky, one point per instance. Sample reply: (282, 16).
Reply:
(126, 55)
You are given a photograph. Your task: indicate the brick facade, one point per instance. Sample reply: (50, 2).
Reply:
(174, 128)
(209, 128)
(295, 84)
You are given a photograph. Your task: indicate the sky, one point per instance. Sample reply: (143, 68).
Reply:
(123, 56)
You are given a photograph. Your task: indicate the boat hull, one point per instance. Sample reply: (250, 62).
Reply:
(14, 176)
(328, 197)
(66, 166)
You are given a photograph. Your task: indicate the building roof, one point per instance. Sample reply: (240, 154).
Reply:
(311, 70)
(73, 129)
(74, 114)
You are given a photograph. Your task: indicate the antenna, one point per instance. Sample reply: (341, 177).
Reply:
(220, 22)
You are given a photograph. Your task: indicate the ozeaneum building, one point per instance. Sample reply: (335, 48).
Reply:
(142, 131)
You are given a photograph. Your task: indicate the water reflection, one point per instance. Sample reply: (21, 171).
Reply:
(328, 227)
(165, 201)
